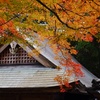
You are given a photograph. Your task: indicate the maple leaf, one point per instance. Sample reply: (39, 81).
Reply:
(73, 51)
(87, 37)
(93, 31)
(5, 1)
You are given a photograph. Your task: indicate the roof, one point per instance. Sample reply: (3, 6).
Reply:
(47, 52)
(28, 76)
(37, 76)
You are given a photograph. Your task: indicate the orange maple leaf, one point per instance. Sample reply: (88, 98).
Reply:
(4, 1)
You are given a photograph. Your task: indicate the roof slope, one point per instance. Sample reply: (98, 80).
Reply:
(46, 51)
(20, 76)
(28, 76)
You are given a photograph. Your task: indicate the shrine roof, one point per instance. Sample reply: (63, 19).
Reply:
(28, 76)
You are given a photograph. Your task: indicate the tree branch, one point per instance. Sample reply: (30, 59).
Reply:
(57, 16)
(94, 7)
(95, 3)
(15, 16)
(64, 9)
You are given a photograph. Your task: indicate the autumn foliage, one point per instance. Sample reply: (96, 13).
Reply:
(58, 21)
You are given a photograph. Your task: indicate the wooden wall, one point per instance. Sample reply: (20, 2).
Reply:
(44, 96)
(40, 94)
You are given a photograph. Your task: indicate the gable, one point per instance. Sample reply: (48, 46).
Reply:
(25, 49)
(20, 56)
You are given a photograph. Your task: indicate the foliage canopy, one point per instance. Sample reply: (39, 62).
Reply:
(59, 21)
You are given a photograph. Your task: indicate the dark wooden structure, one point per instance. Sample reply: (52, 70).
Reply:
(40, 94)
(19, 58)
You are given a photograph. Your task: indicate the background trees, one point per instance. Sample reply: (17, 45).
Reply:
(89, 56)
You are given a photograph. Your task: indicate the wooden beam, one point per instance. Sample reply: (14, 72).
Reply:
(40, 58)
(3, 47)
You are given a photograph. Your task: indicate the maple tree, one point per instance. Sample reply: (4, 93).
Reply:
(58, 21)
